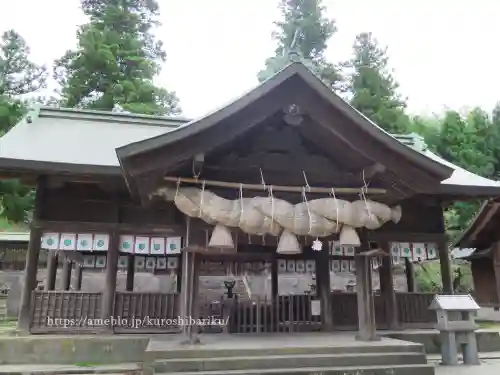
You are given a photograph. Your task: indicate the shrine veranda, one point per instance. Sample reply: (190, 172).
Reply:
(97, 175)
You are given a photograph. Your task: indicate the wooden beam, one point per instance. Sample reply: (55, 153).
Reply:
(404, 237)
(69, 226)
(290, 189)
(373, 253)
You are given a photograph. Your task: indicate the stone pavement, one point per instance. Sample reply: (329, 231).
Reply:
(488, 367)
(489, 314)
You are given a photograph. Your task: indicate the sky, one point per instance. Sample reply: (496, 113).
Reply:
(443, 53)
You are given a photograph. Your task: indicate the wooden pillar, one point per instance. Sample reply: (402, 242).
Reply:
(50, 280)
(130, 273)
(366, 309)
(387, 289)
(31, 268)
(183, 286)
(445, 263)
(496, 269)
(66, 274)
(274, 277)
(190, 295)
(108, 296)
(410, 275)
(323, 287)
(444, 259)
(77, 281)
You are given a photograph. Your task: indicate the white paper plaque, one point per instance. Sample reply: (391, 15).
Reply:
(315, 307)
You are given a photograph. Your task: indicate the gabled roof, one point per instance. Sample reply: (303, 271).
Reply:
(52, 140)
(293, 70)
(460, 179)
(55, 140)
(482, 231)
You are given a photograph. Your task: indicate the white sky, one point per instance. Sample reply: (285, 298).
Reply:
(444, 53)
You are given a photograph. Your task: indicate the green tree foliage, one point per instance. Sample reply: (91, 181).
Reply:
(116, 59)
(372, 87)
(18, 76)
(428, 277)
(429, 128)
(305, 29)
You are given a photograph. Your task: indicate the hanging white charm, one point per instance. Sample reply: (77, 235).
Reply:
(317, 245)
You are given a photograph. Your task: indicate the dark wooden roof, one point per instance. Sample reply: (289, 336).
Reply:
(335, 127)
(483, 230)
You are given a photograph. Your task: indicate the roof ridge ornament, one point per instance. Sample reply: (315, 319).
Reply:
(33, 112)
(292, 52)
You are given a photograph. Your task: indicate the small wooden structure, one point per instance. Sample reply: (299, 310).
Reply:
(13, 247)
(97, 173)
(483, 236)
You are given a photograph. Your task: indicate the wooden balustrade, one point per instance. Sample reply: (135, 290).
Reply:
(290, 313)
(147, 312)
(65, 311)
(413, 309)
(75, 311)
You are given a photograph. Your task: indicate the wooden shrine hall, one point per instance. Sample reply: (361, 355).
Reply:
(289, 178)
(483, 237)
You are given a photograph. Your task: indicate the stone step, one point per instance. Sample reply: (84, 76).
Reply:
(365, 370)
(56, 369)
(202, 352)
(288, 361)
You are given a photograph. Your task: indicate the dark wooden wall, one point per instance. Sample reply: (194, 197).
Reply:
(86, 202)
(484, 282)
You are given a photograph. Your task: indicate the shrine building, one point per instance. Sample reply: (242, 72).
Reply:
(288, 178)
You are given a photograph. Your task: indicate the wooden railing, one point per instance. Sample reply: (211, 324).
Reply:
(65, 311)
(147, 312)
(73, 311)
(261, 315)
(413, 310)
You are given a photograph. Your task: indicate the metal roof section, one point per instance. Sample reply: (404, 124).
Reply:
(80, 137)
(459, 177)
(14, 236)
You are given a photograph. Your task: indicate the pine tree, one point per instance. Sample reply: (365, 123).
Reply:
(305, 29)
(373, 88)
(18, 76)
(116, 60)
(495, 140)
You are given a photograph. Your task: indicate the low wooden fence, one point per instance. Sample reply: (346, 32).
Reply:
(291, 313)
(147, 312)
(413, 310)
(74, 311)
(65, 311)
